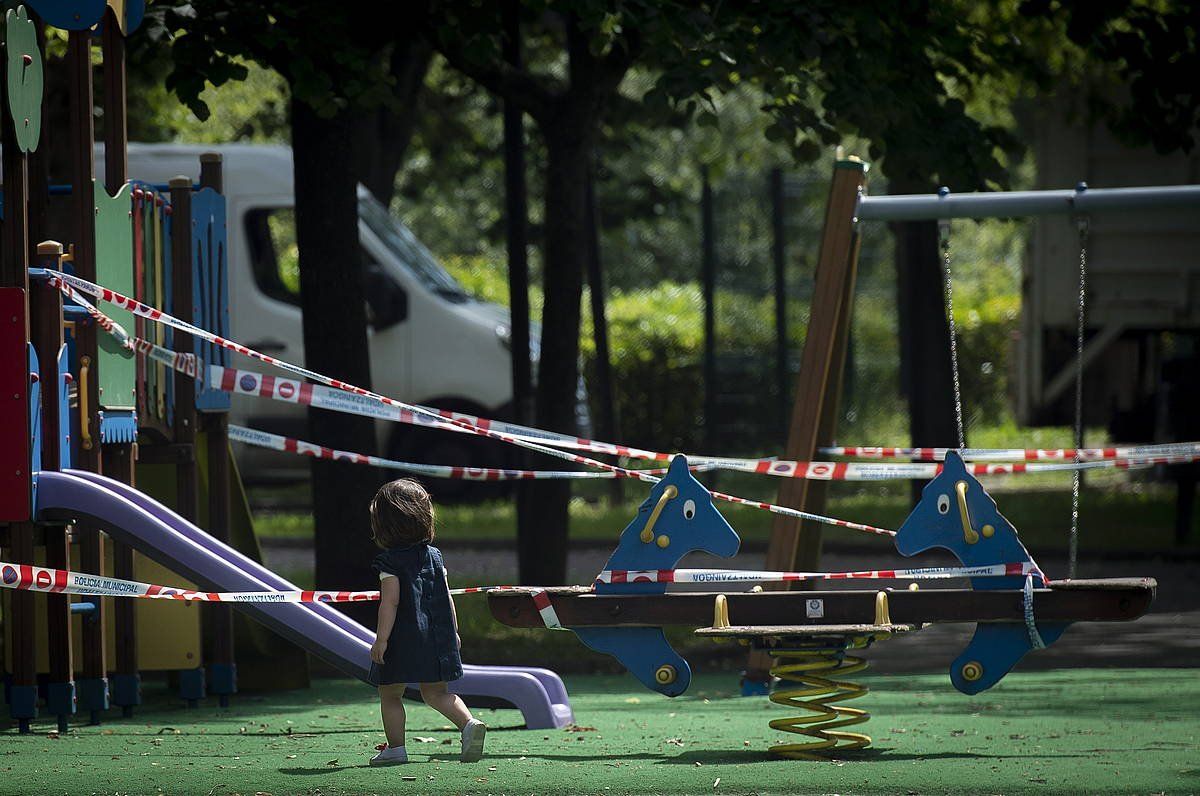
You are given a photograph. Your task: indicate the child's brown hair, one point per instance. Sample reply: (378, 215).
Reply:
(401, 513)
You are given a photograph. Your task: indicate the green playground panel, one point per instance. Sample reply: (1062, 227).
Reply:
(114, 269)
(24, 78)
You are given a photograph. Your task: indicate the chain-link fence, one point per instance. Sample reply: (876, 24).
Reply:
(672, 392)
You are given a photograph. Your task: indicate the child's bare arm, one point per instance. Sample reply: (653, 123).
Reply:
(389, 598)
(453, 609)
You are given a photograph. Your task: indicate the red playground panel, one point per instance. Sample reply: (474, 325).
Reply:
(14, 408)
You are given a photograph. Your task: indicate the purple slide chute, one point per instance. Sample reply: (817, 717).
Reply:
(154, 530)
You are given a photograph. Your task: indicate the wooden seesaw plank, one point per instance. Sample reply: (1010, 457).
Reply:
(1111, 600)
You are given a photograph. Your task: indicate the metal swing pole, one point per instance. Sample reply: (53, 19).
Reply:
(1011, 204)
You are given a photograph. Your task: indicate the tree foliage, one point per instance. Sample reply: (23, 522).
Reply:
(1140, 59)
(328, 58)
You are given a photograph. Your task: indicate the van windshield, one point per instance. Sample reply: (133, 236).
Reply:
(408, 250)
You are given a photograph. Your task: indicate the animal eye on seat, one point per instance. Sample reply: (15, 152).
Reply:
(689, 509)
(943, 504)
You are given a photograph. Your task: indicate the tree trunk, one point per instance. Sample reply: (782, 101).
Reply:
(603, 400)
(925, 373)
(516, 238)
(708, 290)
(542, 547)
(386, 131)
(335, 342)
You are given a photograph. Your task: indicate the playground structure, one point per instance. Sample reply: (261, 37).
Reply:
(807, 634)
(1021, 611)
(89, 412)
(624, 613)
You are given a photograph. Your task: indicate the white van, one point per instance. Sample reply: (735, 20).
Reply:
(430, 341)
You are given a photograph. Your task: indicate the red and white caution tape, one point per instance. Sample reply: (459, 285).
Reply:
(541, 601)
(294, 391)
(762, 576)
(138, 308)
(821, 471)
(181, 361)
(1170, 449)
(62, 581)
(49, 580)
(246, 382)
(263, 439)
(878, 471)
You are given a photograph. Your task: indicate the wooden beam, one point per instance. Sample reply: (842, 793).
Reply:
(220, 649)
(1113, 600)
(116, 136)
(120, 459)
(46, 322)
(93, 685)
(184, 431)
(181, 307)
(795, 544)
(14, 334)
(820, 366)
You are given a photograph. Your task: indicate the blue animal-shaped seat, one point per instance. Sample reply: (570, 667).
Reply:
(956, 514)
(677, 518)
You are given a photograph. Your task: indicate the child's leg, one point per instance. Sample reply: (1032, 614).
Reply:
(438, 697)
(391, 705)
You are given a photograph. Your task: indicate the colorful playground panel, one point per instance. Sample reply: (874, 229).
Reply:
(15, 435)
(114, 253)
(24, 78)
(1015, 613)
(168, 640)
(144, 250)
(210, 286)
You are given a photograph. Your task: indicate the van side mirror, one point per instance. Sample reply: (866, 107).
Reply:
(387, 303)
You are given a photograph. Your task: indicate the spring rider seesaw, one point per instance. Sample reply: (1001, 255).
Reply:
(811, 633)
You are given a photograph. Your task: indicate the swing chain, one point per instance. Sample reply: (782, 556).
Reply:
(1073, 544)
(944, 245)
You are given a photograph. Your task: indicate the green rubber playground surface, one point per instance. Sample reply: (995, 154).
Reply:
(1118, 731)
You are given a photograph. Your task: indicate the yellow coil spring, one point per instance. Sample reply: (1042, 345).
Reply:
(816, 672)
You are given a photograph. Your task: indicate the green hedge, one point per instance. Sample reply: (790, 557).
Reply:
(656, 338)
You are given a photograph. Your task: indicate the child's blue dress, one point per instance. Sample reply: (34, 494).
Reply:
(423, 645)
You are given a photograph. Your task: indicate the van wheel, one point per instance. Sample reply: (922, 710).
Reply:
(430, 446)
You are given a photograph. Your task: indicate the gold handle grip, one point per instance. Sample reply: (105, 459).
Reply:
(85, 428)
(647, 535)
(970, 535)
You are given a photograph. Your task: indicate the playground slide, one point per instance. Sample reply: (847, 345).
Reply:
(164, 536)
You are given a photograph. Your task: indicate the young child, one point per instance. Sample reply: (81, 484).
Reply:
(417, 637)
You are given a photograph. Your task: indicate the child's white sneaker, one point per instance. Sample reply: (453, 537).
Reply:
(473, 733)
(390, 756)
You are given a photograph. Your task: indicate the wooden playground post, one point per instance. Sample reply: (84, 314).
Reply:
(192, 685)
(120, 458)
(93, 686)
(181, 303)
(116, 137)
(46, 323)
(14, 273)
(796, 544)
(219, 652)
(22, 629)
